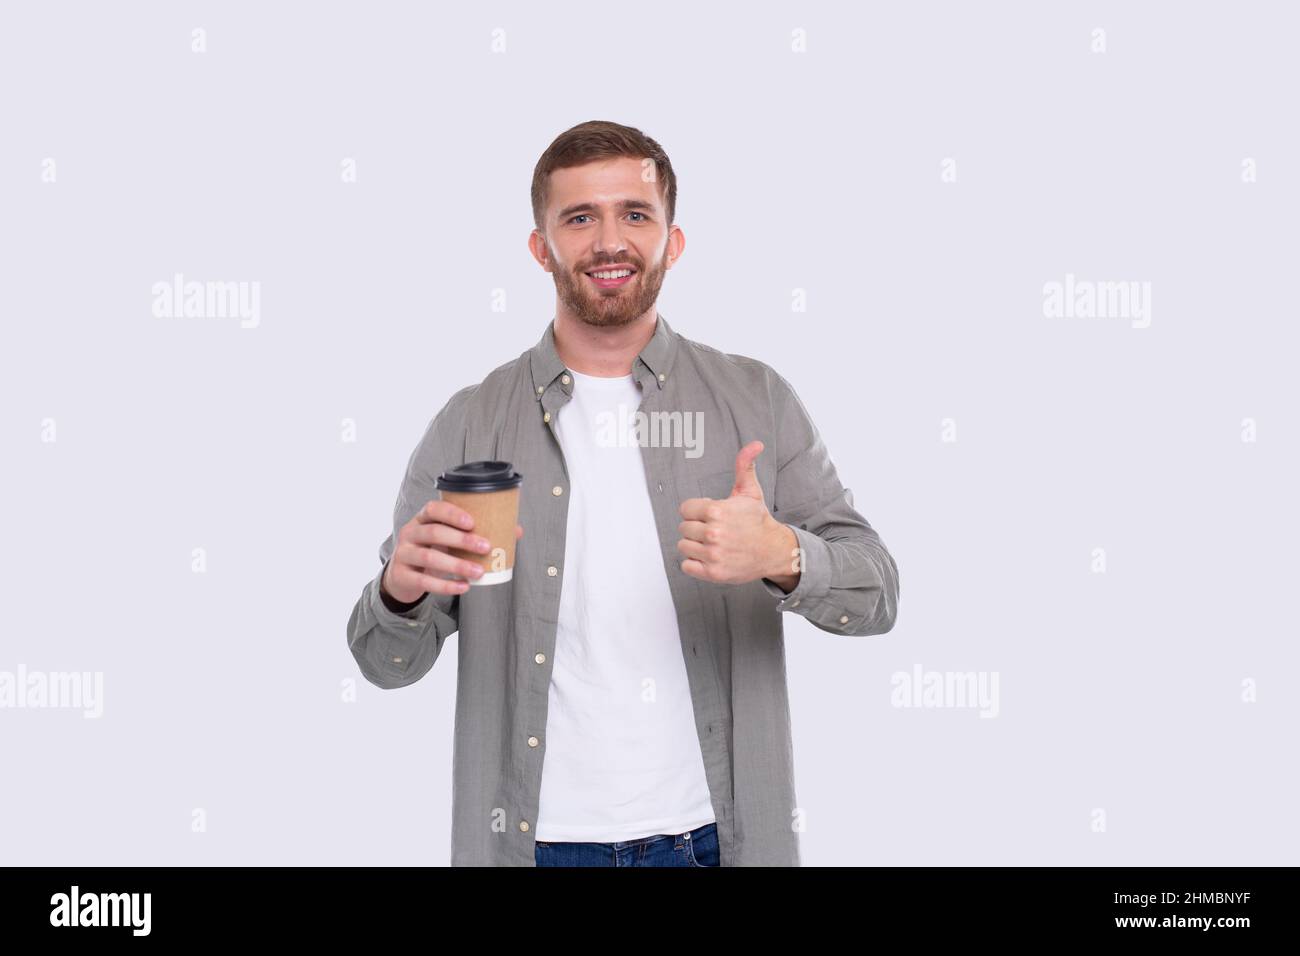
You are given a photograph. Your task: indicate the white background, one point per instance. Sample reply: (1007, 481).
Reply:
(820, 171)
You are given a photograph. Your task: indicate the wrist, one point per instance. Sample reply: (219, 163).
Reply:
(392, 601)
(782, 566)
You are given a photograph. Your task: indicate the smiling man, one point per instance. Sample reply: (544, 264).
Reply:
(622, 700)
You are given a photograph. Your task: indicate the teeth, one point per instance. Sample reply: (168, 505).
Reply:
(612, 275)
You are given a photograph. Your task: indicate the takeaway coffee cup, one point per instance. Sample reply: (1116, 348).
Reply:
(489, 491)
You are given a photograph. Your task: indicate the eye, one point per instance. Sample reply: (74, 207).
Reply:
(641, 214)
(581, 215)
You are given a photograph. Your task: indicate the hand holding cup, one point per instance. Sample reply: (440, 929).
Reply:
(422, 561)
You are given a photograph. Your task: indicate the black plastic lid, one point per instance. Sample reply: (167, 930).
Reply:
(480, 476)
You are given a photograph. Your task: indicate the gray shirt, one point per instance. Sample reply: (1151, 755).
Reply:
(732, 635)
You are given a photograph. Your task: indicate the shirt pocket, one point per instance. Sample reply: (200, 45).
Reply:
(717, 484)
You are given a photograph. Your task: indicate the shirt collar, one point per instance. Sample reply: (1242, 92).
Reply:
(656, 357)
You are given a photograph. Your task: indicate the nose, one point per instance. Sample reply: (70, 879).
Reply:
(609, 241)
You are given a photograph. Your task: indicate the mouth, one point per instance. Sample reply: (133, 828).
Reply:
(612, 278)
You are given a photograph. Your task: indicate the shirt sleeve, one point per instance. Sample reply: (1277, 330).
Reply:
(396, 644)
(848, 580)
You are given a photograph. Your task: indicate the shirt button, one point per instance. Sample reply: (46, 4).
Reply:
(557, 491)
(844, 619)
(397, 660)
(660, 486)
(546, 417)
(565, 379)
(523, 825)
(540, 658)
(412, 623)
(794, 603)
(540, 389)
(552, 571)
(532, 741)
(662, 376)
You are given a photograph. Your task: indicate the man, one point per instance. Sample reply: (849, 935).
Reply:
(622, 700)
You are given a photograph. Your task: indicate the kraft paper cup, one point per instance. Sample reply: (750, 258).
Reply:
(489, 491)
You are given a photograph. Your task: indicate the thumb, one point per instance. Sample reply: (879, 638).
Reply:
(746, 479)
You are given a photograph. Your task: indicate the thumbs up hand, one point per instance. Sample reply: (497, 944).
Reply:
(735, 539)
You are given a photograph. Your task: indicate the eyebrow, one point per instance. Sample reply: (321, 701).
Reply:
(576, 208)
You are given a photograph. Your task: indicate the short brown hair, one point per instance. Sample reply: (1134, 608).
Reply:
(600, 139)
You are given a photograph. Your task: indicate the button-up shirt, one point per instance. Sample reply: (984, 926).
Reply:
(732, 635)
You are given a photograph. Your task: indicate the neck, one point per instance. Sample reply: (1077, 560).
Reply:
(606, 352)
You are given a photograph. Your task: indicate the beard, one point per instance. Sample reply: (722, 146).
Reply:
(610, 308)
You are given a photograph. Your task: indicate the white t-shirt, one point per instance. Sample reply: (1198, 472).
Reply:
(622, 756)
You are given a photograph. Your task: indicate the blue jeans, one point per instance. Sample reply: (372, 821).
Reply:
(699, 847)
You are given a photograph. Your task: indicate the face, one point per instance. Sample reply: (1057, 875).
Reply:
(604, 218)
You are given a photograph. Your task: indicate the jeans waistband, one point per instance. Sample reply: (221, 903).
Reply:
(695, 835)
